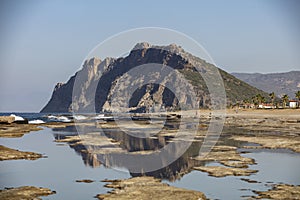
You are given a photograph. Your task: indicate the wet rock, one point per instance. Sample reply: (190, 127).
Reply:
(24, 193)
(218, 171)
(249, 180)
(13, 154)
(147, 188)
(281, 191)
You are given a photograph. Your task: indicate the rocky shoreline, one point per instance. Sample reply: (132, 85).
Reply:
(266, 129)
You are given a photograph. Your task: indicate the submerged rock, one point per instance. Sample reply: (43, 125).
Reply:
(84, 181)
(147, 188)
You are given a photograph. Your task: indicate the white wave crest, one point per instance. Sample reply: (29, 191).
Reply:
(63, 119)
(79, 117)
(36, 121)
(17, 118)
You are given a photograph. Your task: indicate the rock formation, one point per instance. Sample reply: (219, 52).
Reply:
(112, 84)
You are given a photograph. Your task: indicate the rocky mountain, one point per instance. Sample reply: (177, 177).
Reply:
(142, 81)
(279, 83)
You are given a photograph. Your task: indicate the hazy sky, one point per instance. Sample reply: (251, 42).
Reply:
(44, 42)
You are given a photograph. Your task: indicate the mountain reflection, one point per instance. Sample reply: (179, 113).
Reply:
(110, 145)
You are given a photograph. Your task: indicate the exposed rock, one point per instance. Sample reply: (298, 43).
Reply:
(6, 119)
(72, 139)
(24, 193)
(140, 188)
(265, 121)
(17, 130)
(58, 124)
(280, 192)
(142, 45)
(12, 154)
(228, 156)
(218, 171)
(272, 142)
(249, 180)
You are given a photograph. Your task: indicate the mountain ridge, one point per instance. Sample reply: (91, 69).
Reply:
(280, 83)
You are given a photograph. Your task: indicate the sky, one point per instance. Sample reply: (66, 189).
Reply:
(45, 42)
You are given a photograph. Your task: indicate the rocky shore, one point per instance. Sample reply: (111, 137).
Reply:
(246, 129)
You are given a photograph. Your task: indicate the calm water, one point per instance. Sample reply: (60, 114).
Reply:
(58, 171)
(64, 165)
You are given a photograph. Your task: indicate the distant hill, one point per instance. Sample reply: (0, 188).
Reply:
(280, 83)
(99, 79)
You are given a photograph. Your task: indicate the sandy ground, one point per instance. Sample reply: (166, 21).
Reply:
(246, 112)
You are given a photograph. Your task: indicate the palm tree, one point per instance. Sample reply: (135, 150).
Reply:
(297, 94)
(260, 99)
(254, 100)
(285, 99)
(272, 96)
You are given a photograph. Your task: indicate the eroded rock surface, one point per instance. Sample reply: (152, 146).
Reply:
(228, 156)
(24, 193)
(281, 192)
(147, 188)
(17, 130)
(272, 142)
(219, 171)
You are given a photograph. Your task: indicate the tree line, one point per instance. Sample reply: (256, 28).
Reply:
(259, 99)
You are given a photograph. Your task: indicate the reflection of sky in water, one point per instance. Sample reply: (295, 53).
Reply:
(57, 172)
(62, 167)
(273, 167)
(276, 167)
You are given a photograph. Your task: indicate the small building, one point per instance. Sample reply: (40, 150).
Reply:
(293, 104)
(266, 106)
